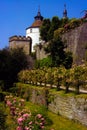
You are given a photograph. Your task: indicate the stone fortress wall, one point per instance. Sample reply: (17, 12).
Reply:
(76, 40)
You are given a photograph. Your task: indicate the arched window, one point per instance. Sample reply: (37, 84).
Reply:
(30, 30)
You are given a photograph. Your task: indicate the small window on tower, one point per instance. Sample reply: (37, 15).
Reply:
(31, 30)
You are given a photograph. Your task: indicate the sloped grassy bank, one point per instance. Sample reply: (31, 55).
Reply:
(57, 121)
(68, 105)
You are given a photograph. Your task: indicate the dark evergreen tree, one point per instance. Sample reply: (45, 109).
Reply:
(63, 22)
(55, 23)
(56, 49)
(68, 60)
(44, 29)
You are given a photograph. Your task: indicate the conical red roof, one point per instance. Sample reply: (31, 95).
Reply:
(37, 23)
(38, 20)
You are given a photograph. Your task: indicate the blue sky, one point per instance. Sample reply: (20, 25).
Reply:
(17, 15)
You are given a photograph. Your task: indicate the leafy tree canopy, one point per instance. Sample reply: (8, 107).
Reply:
(51, 31)
(49, 26)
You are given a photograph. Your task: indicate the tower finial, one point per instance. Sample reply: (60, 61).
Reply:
(38, 16)
(65, 12)
(64, 6)
(39, 8)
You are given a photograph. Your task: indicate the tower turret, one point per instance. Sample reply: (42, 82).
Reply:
(33, 31)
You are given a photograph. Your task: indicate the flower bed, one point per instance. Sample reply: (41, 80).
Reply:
(24, 118)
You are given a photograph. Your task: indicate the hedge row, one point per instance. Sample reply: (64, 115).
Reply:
(56, 77)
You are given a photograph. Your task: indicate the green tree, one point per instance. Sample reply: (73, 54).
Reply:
(5, 61)
(58, 76)
(55, 23)
(56, 50)
(63, 21)
(44, 29)
(3, 125)
(68, 60)
(11, 62)
(58, 32)
(79, 76)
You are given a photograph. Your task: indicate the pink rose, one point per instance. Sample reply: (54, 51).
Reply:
(9, 103)
(19, 128)
(20, 121)
(42, 127)
(39, 116)
(26, 128)
(42, 119)
(25, 116)
(30, 123)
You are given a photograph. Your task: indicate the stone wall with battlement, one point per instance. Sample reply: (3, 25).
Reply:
(21, 42)
(19, 38)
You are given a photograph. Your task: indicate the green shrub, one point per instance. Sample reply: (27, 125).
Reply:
(1, 84)
(45, 62)
(2, 95)
(2, 117)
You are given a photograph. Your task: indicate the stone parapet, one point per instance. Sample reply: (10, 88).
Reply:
(19, 38)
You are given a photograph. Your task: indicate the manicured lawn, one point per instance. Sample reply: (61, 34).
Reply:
(60, 123)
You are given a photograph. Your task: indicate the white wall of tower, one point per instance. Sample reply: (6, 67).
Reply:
(34, 33)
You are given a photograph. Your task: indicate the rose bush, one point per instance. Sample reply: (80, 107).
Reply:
(24, 118)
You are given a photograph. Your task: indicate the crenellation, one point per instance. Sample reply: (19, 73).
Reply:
(19, 38)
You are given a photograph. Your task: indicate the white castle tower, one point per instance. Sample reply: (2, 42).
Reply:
(33, 31)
